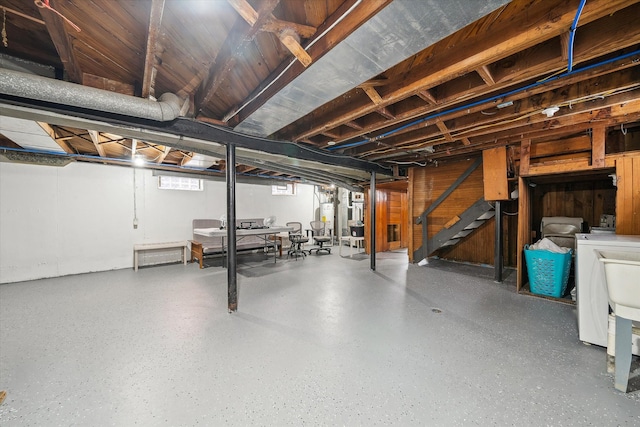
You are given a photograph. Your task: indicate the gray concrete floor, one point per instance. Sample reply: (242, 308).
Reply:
(317, 341)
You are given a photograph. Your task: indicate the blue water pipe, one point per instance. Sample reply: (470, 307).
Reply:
(483, 101)
(572, 35)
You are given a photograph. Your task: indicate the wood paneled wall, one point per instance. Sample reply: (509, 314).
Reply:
(576, 196)
(628, 195)
(427, 184)
(391, 208)
(586, 199)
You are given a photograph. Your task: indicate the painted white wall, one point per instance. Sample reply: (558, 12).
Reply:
(79, 218)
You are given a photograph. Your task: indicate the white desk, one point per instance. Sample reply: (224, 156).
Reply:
(351, 240)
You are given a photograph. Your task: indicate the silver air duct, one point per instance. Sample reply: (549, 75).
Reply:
(30, 86)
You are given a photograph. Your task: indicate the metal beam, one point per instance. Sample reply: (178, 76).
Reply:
(232, 262)
(372, 251)
(181, 129)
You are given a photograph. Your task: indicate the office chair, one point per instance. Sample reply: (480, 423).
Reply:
(320, 236)
(297, 240)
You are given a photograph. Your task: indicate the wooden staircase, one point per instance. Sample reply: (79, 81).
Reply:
(468, 221)
(460, 227)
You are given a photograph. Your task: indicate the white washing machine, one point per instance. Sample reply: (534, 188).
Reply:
(592, 300)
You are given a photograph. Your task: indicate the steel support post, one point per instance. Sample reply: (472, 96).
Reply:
(232, 276)
(373, 220)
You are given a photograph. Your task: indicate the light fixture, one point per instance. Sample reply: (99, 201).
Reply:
(138, 160)
(550, 111)
(505, 104)
(331, 143)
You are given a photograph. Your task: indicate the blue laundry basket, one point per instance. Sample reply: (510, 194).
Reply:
(548, 271)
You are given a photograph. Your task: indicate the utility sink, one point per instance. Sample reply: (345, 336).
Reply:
(622, 271)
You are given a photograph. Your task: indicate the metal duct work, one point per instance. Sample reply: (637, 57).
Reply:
(400, 30)
(30, 86)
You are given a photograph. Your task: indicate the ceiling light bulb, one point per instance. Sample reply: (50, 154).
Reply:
(331, 143)
(138, 161)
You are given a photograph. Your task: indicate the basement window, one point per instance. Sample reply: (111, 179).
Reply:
(283, 190)
(180, 183)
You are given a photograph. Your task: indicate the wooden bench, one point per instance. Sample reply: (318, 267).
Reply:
(152, 246)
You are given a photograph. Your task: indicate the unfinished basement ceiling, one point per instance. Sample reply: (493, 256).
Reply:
(400, 30)
(389, 84)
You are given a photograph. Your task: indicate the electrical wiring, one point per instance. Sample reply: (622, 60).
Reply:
(409, 163)
(461, 133)
(555, 76)
(235, 112)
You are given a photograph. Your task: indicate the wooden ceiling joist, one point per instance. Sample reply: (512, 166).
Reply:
(485, 85)
(384, 112)
(427, 96)
(149, 73)
(287, 34)
(505, 38)
(245, 10)
(443, 128)
(163, 155)
(372, 94)
(485, 74)
(63, 43)
(240, 36)
(291, 41)
(97, 142)
(349, 14)
(527, 112)
(593, 73)
(51, 131)
(354, 125)
(274, 25)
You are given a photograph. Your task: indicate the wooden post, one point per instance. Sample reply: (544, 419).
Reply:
(597, 146)
(525, 156)
(524, 227)
(497, 255)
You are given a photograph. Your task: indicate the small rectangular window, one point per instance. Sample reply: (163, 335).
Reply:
(180, 183)
(283, 190)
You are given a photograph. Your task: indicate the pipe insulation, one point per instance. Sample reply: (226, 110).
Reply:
(29, 86)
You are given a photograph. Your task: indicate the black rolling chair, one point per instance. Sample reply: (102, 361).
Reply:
(320, 236)
(297, 240)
